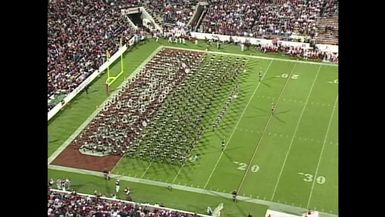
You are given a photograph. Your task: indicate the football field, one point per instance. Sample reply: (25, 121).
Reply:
(287, 156)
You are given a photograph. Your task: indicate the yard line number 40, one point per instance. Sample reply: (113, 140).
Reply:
(243, 166)
(309, 178)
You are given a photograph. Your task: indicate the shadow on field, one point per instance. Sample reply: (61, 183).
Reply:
(54, 140)
(227, 155)
(266, 84)
(279, 119)
(269, 78)
(282, 112)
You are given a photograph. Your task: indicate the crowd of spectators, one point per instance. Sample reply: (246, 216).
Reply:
(72, 204)
(256, 18)
(172, 12)
(79, 34)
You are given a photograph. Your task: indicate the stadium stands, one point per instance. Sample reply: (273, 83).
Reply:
(61, 203)
(79, 34)
(265, 18)
(172, 12)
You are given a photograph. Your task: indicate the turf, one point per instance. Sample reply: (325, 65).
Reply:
(271, 157)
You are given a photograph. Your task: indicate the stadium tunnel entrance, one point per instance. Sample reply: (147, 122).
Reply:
(136, 19)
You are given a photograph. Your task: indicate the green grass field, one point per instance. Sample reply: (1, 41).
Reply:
(289, 157)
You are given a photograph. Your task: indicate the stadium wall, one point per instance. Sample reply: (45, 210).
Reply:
(87, 81)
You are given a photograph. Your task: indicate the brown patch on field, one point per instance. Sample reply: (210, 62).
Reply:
(71, 157)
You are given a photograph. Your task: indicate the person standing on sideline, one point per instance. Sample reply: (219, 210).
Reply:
(117, 186)
(86, 88)
(209, 211)
(106, 175)
(234, 196)
(127, 190)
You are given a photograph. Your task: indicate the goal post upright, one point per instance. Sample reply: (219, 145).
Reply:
(111, 79)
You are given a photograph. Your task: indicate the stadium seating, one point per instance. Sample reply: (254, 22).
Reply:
(266, 18)
(62, 203)
(79, 34)
(171, 12)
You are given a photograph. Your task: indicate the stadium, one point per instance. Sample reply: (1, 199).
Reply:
(182, 108)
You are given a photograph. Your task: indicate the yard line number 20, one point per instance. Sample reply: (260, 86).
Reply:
(243, 166)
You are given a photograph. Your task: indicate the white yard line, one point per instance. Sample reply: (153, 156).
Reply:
(236, 125)
(271, 204)
(256, 57)
(264, 130)
(144, 173)
(295, 132)
(323, 146)
(177, 173)
(92, 116)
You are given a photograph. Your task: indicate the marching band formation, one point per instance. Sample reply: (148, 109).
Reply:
(163, 111)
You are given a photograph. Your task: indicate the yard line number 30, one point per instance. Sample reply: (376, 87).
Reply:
(309, 178)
